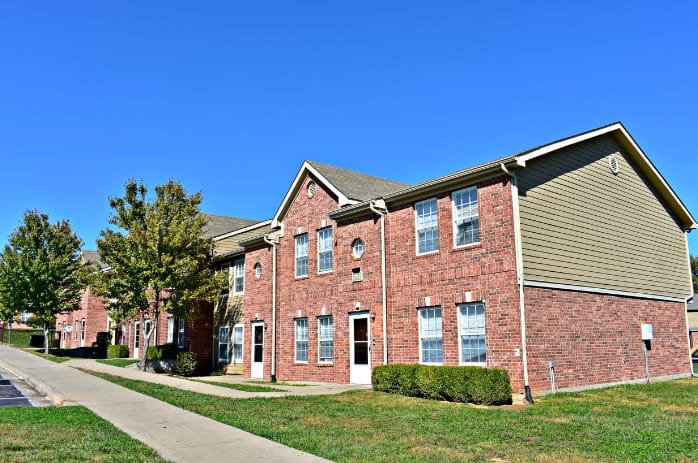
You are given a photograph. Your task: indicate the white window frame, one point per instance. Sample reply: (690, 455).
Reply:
(238, 340)
(224, 340)
(357, 248)
(170, 330)
(325, 338)
(83, 329)
(426, 223)
(180, 332)
(465, 212)
(325, 248)
(471, 327)
(301, 340)
(430, 329)
(301, 255)
(239, 277)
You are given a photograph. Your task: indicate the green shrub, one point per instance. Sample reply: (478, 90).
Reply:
(488, 386)
(186, 363)
(117, 351)
(162, 352)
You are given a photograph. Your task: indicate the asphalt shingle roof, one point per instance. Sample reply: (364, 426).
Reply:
(355, 185)
(219, 225)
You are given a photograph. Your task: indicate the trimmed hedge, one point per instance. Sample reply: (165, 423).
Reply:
(478, 385)
(162, 352)
(117, 351)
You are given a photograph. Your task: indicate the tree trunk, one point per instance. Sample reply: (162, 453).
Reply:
(46, 343)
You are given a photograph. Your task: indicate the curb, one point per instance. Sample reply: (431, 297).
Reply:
(39, 386)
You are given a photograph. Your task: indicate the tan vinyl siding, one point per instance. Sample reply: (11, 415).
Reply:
(693, 320)
(581, 225)
(232, 243)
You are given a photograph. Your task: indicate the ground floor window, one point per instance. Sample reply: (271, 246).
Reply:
(223, 343)
(137, 336)
(237, 343)
(180, 333)
(301, 340)
(170, 330)
(430, 335)
(471, 328)
(325, 340)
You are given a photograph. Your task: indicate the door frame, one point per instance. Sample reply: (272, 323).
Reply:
(256, 368)
(359, 374)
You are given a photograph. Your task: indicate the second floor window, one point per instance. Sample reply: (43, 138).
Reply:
(225, 270)
(302, 255)
(427, 225)
(239, 280)
(466, 223)
(324, 249)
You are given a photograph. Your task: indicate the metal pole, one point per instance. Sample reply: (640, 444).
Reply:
(647, 361)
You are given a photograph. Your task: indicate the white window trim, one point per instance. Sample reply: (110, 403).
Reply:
(478, 333)
(420, 337)
(241, 327)
(330, 250)
(170, 330)
(181, 325)
(417, 229)
(456, 218)
(296, 341)
(227, 350)
(303, 275)
(320, 338)
(239, 274)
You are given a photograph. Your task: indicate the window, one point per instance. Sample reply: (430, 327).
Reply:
(301, 339)
(180, 333)
(357, 248)
(471, 328)
(225, 270)
(430, 335)
(466, 223)
(257, 270)
(427, 226)
(223, 343)
(82, 330)
(239, 287)
(137, 337)
(302, 255)
(237, 344)
(325, 340)
(324, 249)
(170, 330)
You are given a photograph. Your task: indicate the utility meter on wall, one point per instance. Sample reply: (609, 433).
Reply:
(646, 331)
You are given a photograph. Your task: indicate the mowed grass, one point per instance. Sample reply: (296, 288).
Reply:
(122, 363)
(240, 386)
(51, 357)
(65, 434)
(657, 422)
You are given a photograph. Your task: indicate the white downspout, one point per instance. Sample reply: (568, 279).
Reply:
(520, 278)
(273, 243)
(381, 210)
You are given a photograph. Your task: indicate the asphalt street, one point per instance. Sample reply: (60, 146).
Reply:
(15, 392)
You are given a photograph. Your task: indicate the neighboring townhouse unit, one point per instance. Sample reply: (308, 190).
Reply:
(692, 313)
(79, 328)
(545, 263)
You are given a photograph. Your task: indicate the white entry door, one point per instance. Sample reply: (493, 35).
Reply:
(360, 347)
(257, 350)
(136, 339)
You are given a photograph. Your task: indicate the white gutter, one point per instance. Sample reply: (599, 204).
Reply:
(520, 278)
(273, 242)
(378, 206)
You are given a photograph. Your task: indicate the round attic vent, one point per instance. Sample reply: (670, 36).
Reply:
(312, 188)
(614, 164)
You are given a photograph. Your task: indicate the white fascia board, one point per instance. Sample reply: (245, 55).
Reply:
(291, 193)
(241, 230)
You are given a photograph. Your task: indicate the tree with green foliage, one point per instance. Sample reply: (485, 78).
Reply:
(41, 270)
(694, 272)
(158, 257)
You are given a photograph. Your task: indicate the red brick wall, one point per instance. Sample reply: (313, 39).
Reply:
(333, 291)
(257, 305)
(92, 309)
(486, 270)
(596, 339)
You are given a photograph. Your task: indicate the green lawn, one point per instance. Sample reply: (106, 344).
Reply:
(65, 434)
(51, 357)
(656, 422)
(123, 363)
(241, 386)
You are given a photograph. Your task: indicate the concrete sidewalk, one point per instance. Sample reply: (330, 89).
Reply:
(176, 434)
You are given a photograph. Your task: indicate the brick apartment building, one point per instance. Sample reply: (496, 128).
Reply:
(547, 261)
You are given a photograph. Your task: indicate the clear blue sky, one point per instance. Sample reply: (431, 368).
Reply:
(230, 97)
